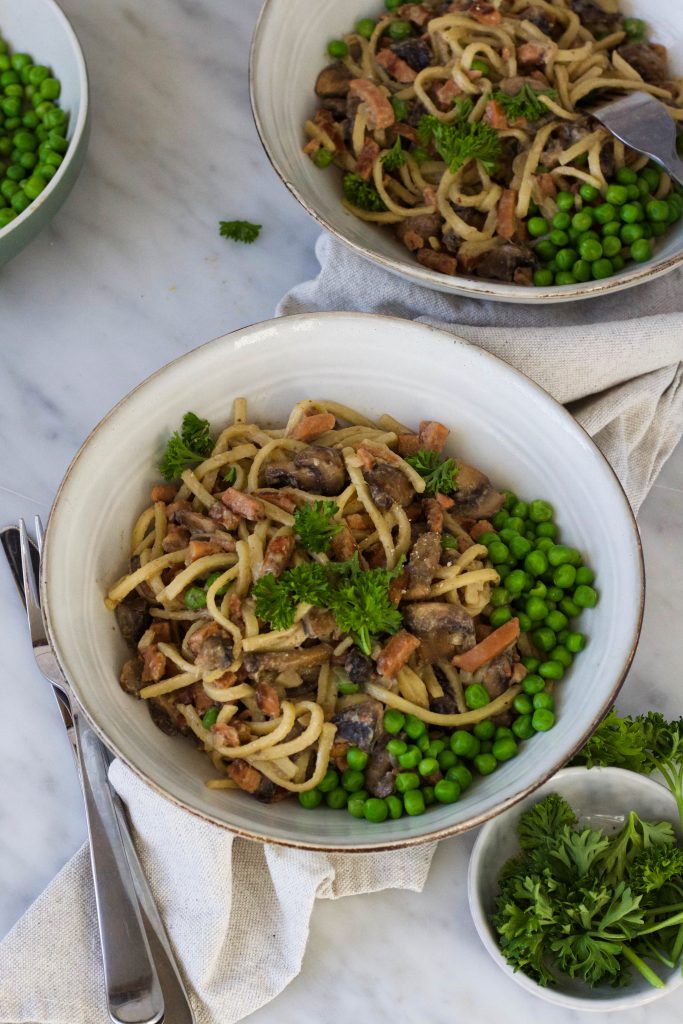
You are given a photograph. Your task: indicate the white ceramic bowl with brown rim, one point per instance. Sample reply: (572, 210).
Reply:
(501, 422)
(288, 51)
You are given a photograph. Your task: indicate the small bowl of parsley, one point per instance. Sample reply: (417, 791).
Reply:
(577, 892)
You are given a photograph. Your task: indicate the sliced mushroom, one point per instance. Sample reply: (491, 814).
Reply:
(321, 625)
(380, 773)
(278, 661)
(215, 653)
(389, 486)
(132, 615)
(358, 666)
(360, 724)
(314, 468)
(475, 496)
(443, 628)
(131, 676)
(333, 80)
(423, 562)
(495, 677)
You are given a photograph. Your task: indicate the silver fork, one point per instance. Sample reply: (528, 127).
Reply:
(134, 992)
(641, 122)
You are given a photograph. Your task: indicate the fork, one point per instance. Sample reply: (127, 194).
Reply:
(641, 122)
(134, 992)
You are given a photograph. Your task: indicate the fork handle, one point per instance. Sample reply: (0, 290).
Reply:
(133, 990)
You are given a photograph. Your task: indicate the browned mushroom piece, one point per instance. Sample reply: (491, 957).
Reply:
(650, 61)
(543, 19)
(321, 625)
(131, 676)
(380, 773)
(443, 628)
(475, 496)
(132, 615)
(495, 676)
(358, 667)
(279, 661)
(314, 468)
(360, 724)
(215, 653)
(389, 486)
(333, 80)
(424, 560)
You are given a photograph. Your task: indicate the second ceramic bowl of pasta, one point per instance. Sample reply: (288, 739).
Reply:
(288, 53)
(500, 422)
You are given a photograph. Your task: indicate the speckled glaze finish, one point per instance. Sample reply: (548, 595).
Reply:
(41, 28)
(549, 454)
(282, 97)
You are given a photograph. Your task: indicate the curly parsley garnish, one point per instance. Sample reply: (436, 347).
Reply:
(460, 141)
(191, 444)
(448, 543)
(362, 194)
(358, 598)
(230, 476)
(439, 477)
(315, 525)
(240, 230)
(525, 104)
(394, 157)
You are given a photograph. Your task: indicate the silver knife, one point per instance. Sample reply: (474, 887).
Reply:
(133, 970)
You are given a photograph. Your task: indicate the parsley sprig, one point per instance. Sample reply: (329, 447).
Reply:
(315, 525)
(460, 141)
(590, 905)
(439, 477)
(240, 230)
(191, 444)
(362, 194)
(358, 598)
(525, 104)
(394, 157)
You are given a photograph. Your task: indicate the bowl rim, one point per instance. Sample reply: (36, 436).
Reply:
(472, 287)
(79, 127)
(441, 833)
(549, 995)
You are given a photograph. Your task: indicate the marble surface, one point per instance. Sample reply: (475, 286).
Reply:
(131, 273)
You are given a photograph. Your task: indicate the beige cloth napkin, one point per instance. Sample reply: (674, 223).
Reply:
(238, 912)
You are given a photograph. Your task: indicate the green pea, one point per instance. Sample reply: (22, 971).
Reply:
(365, 27)
(530, 664)
(584, 575)
(393, 720)
(322, 158)
(537, 226)
(626, 176)
(476, 696)
(522, 704)
(564, 577)
(602, 269)
(542, 720)
(406, 781)
(585, 596)
(561, 654)
(616, 195)
(399, 30)
(337, 48)
(210, 717)
(50, 88)
(562, 636)
(516, 582)
(356, 759)
(641, 251)
(604, 213)
(546, 250)
(657, 210)
(447, 791)
(411, 758)
(464, 744)
(551, 670)
(397, 747)
(414, 727)
(589, 193)
(559, 554)
(428, 766)
(330, 781)
(499, 597)
(422, 742)
(536, 609)
(546, 530)
(611, 246)
(565, 201)
(28, 161)
(499, 616)
(575, 642)
(590, 250)
(498, 552)
(554, 594)
(652, 176)
(211, 579)
(503, 571)
(352, 780)
(532, 684)
(435, 748)
(356, 803)
(414, 802)
(447, 759)
(570, 609)
(544, 700)
(633, 193)
(544, 639)
(480, 65)
(6, 216)
(337, 798)
(658, 230)
(375, 810)
(392, 5)
(504, 749)
(310, 799)
(559, 238)
(520, 548)
(515, 523)
(522, 727)
(524, 622)
(195, 598)
(394, 806)
(485, 763)
(535, 564)
(583, 220)
(556, 620)
(345, 686)
(460, 774)
(484, 730)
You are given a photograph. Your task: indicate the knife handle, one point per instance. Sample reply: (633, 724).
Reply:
(133, 991)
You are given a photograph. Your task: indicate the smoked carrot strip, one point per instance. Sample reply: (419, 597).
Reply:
(492, 645)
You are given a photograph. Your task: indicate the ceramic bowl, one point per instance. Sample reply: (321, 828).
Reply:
(288, 51)
(40, 27)
(500, 422)
(602, 798)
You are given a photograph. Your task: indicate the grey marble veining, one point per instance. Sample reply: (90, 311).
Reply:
(131, 274)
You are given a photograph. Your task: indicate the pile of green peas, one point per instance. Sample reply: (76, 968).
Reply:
(545, 585)
(594, 234)
(32, 131)
(397, 30)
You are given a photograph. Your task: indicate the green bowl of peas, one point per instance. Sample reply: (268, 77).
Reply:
(43, 118)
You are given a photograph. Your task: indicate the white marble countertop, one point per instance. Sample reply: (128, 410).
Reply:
(131, 273)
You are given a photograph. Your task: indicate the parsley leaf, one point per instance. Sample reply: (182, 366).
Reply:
(273, 601)
(185, 447)
(460, 141)
(439, 477)
(315, 526)
(655, 867)
(308, 583)
(240, 230)
(394, 157)
(230, 476)
(525, 104)
(362, 194)
(448, 542)
(544, 820)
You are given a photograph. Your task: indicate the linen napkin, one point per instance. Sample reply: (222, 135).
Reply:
(238, 912)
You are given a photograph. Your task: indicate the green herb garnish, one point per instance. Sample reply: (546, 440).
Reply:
(185, 447)
(230, 476)
(448, 543)
(358, 598)
(464, 106)
(394, 157)
(362, 194)
(240, 230)
(458, 142)
(315, 525)
(525, 104)
(439, 477)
